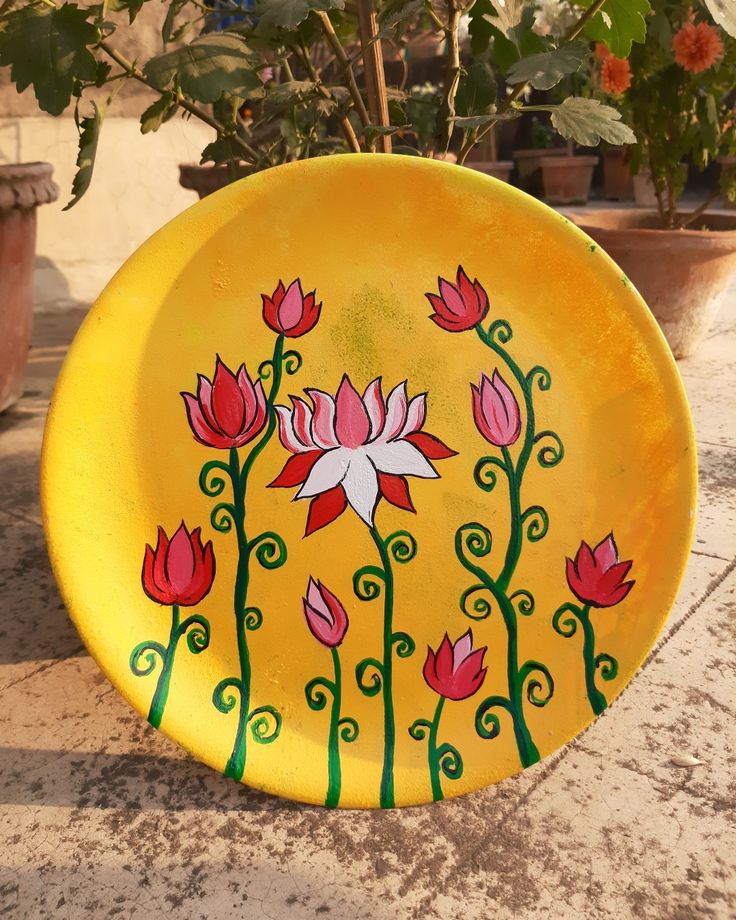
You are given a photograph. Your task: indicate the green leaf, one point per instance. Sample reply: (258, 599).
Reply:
(206, 68)
(393, 15)
(220, 151)
(47, 47)
(479, 27)
(290, 92)
(546, 70)
(724, 13)
(618, 24)
(288, 14)
(132, 6)
(89, 136)
(159, 112)
(588, 122)
(477, 90)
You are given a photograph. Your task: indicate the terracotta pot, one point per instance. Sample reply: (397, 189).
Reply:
(528, 170)
(566, 180)
(499, 169)
(618, 183)
(681, 274)
(23, 186)
(205, 180)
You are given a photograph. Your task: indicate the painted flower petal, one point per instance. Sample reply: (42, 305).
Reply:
(396, 491)
(328, 472)
(324, 509)
(301, 418)
(228, 406)
(361, 486)
(415, 415)
(292, 306)
(468, 293)
(287, 436)
(179, 564)
(323, 419)
(430, 446)
(352, 425)
(451, 297)
(396, 409)
(606, 553)
(402, 459)
(200, 429)
(296, 469)
(461, 649)
(375, 407)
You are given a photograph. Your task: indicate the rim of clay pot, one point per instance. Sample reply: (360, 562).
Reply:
(721, 233)
(563, 162)
(26, 185)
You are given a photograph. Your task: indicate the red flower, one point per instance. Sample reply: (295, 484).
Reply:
(596, 577)
(230, 411)
(289, 311)
(496, 411)
(326, 616)
(456, 670)
(615, 75)
(459, 306)
(697, 46)
(353, 449)
(180, 571)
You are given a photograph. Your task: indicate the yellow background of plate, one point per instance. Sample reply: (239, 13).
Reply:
(371, 233)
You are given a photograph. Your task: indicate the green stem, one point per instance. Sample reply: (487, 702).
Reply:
(389, 723)
(333, 769)
(161, 693)
(434, 762)
(235, 766)
(597, 699)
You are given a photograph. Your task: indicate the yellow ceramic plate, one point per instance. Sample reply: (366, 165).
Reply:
(400, 583)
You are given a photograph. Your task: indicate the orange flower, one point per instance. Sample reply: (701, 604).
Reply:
(601, 50)
(697, 46)
(615, 75)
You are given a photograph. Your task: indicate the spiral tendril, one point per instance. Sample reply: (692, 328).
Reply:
(608, 666)
(149, 651)
(487, 723)
(401, 545)
(550, 454)
(213, 486)
(566, 627)
(481, 606)
(197, 630)
(261, 729)
(535, 685)
(222, 517)
(419, 728)
(371, 684)
(349, 729)
(544, 380)
(524, 601)
(291, 361)
(449, 761)
(226, 703)
(484, 475)
(367, 582)
(269, 549)
(500, 331)
(265, 369)
(253, 618)
(536, 521)
(315, 693)
(404, 645)
(474, 537)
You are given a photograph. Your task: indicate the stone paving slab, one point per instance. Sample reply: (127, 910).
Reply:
(100, 816)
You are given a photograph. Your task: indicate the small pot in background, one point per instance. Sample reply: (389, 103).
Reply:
(205, 180)
(567, 180)
(499, 169)
(618, 183)
(528, 167)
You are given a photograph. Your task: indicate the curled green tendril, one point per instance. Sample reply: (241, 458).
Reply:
(474, 537)
(197, 630)
(523, 601)
(404, 644)
(261, 729)
(367, 582)
(401, 545)
(269, 549)
(213, 486)
(487, 723)
(484, 475)
(550, 454)
(535, 685)
(419, 728)
(608, 666)
(449, 761)
(500, 331)
(566, 627)
(349, 729)
(544, 381)
(265, 369)
(222, 702)
(253, 618)
(315, 693)
(149, 651)
(371, 684)
(536, 521)
(291, 361)
(222, 517)
(481, 606)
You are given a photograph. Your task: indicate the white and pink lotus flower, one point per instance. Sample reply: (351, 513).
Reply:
(354, 450)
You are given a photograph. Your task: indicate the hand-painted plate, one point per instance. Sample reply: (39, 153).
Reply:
(369, 480)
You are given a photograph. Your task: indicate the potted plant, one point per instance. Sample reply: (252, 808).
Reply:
(680, 105)
(23, 187)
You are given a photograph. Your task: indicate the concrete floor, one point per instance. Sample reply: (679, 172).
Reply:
(101, 816)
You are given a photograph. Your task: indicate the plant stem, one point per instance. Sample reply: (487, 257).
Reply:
(445, 124)
(596, 698)
(346, 66)
(688, 219)
(161, 693)
(375, 77)
(347, 128)
(434, 763)
(333, 764)
(389, 724)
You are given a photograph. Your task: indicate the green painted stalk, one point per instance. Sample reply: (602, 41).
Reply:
(596, 698)
(389, 723)
(434, 763)
(334, 782)
(161, 694)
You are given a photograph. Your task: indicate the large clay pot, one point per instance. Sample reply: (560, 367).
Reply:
(681, 274)
(566, 180)
(205, 180)
(23, 186)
